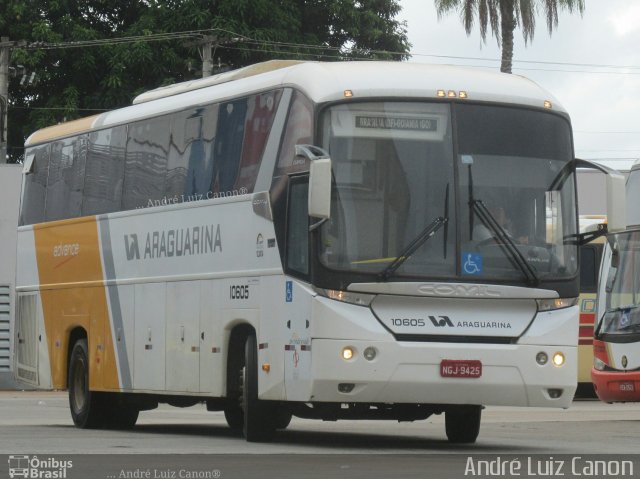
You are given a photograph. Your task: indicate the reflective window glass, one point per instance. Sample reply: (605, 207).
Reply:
(104, 171)
(35, 183)
(66, 178)
(146, 163)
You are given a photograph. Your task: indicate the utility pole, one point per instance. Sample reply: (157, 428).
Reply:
(207, 61)
(5, 57)
(206, 45)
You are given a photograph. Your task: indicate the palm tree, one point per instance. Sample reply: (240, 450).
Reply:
(503, 16)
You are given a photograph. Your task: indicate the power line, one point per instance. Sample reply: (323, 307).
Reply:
(57, 108)
(607, 132)
(108, 41)
(599, 158)
(553, 70)
(309, 55)
(498, 60)
(352, 54)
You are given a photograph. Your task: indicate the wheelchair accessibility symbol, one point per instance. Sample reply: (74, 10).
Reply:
(471, 263)
(289, 291)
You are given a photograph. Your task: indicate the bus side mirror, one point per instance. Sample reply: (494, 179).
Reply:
(616, 202)
(29, 164)
(319, 180)
(320, 188)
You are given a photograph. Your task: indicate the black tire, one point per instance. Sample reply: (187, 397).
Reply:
(283, 417)
(462, 424)
(234, 416)
(259, 416)
(87, 408)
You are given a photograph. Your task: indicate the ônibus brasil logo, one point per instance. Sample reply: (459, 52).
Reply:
(33, 467)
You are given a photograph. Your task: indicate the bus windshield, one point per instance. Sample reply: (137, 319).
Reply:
(490, 173)
(622, 289)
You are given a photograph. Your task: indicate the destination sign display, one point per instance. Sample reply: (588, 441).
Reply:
(397, 123)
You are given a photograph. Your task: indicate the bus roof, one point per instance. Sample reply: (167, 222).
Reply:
(322, 82)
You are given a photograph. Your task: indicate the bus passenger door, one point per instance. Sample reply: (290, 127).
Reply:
(297, 357)
(26, 355)
(297, 366)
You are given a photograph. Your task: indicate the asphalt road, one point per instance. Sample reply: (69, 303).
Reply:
(191, 442)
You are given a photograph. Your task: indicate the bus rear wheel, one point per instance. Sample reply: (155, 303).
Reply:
(462, 424)
(259, 416)
(87, 407)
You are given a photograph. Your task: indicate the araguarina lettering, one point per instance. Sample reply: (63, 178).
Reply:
(177, 242)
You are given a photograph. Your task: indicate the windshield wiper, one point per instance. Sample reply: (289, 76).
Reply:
(422, 238)
(505, 241)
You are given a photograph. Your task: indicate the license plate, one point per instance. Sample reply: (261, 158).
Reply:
(460, 368)
(627, 387)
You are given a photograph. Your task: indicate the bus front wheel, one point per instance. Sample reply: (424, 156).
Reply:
(86, 406)
(234, 416)
(259, 416)
(462, 424)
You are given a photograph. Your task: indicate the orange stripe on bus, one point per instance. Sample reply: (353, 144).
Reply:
(73, 295)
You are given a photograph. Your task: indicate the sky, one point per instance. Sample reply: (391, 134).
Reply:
(590, 64)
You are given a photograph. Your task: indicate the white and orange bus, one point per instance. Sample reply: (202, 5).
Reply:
(329, 240)
(616, 345)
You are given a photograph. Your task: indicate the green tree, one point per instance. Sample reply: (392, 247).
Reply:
(73, 81)
(503, 16)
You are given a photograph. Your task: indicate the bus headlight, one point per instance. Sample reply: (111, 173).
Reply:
(599, 364)
(359, 299)
(556, 303)
(558, 359)
(347, 353)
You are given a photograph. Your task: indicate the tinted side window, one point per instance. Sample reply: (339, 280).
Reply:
(261, 112)
(66, 178)
(34, 191)
(298, 226)
(190, 165)
(299, 130)
(227, 148)
(216, 150)
(146, 163)
(104, 171)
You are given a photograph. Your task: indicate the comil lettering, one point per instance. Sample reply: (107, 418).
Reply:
(462, 290)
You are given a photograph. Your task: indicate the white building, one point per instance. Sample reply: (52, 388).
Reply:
(10, 183)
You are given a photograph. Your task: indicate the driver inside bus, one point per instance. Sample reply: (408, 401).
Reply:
(482, 233)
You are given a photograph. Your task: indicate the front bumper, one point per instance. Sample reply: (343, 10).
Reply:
(616, 386)
(409, 372)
